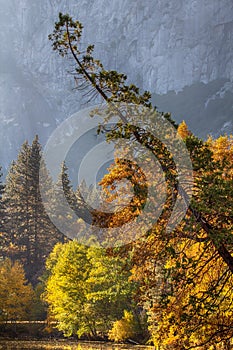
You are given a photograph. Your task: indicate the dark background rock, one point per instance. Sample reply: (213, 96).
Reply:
(180, 50)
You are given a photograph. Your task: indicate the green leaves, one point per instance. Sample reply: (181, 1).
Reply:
(62, 38)
(110, 84)
(86, 290)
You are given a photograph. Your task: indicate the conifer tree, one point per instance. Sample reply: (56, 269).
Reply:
(64, 201)
(17, 201)
(29, 233)
(1, 201)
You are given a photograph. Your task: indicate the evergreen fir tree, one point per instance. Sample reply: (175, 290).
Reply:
(65, 203)
(2, 209)
(29, 233)
(16, 198)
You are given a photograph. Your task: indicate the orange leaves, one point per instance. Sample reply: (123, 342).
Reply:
(126, 189)
(183, 130)
(16, 296)
(222, 149)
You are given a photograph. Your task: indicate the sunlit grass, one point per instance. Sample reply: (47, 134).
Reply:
(63, 345)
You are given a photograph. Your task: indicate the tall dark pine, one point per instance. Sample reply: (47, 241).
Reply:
(17, 202)
(7, 236)
(1, 201)
(30, 235)
(2, 210)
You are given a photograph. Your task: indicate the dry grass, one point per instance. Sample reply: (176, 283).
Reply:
(65, 345)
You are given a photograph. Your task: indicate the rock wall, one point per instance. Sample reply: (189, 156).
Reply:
(181, 50)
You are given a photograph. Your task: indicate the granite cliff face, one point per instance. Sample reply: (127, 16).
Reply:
(180, 50)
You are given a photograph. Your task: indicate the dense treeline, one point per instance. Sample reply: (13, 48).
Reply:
(169, 289)
(27, 234)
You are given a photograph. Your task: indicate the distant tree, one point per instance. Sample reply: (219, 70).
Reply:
(16, 295)
(39, 307)
(183, 130)
(72, 208)
(64, 202)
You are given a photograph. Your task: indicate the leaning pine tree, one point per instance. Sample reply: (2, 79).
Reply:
(186, 282)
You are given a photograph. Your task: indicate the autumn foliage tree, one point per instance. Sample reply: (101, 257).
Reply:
(16, 295)
(86, 290)
(185, 275)
(189, 295)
